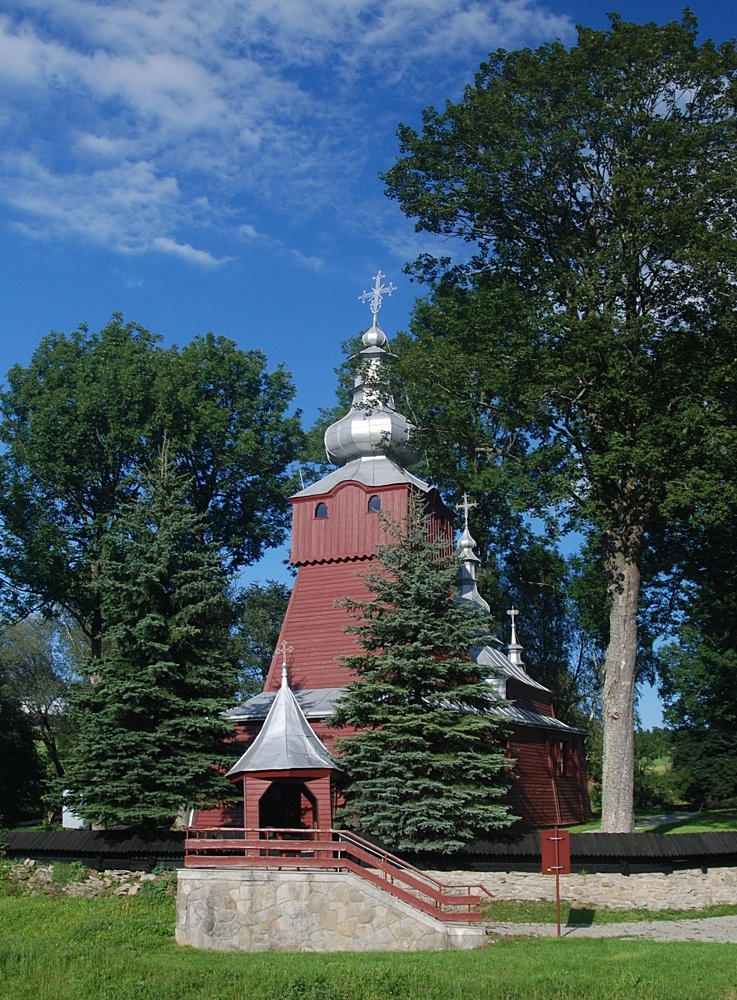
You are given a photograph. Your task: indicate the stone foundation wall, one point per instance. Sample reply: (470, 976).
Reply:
(262, 910)
(683, 890)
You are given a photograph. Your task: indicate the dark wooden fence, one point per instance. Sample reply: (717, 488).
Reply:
(590, 852)
(133, 850)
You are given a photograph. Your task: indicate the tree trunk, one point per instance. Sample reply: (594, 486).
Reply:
(620, 662)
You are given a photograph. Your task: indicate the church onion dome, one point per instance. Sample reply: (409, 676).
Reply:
(372, 426)
(468, 593)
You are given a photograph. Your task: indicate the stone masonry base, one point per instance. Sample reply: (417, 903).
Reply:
(692, 889)
(261, 910)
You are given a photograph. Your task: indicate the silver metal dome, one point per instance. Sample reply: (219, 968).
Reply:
(372, 426)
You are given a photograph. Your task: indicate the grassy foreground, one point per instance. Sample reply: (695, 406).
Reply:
(62, 948)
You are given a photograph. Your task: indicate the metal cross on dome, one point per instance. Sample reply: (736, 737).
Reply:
(377, 293)
(466, 507)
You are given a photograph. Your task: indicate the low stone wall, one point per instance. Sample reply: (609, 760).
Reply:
(681, 890)
(262, 910)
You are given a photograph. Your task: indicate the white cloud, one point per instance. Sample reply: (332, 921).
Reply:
(130, 119)
(249, 232)
(310, 262)
(188, 252)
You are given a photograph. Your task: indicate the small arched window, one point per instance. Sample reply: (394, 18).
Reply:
(374, 503)
(321, 510)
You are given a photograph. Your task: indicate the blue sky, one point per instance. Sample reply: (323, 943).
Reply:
(215, 166)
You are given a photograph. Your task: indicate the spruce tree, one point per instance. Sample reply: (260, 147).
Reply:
(427, 765)
(150, 718)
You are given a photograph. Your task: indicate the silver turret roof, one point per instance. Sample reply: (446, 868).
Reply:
(373, 426)
(376, 470)
(468, 572)
(286, 741)
(514, 650)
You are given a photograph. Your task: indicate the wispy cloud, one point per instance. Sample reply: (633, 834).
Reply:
(188, 252)
(167, 127)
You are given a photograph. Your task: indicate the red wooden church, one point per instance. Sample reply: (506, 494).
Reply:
(336, 529)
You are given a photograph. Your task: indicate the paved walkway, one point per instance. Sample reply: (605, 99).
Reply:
(719, 929)
(661, 819)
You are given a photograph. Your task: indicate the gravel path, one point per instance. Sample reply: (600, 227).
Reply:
(718, 929)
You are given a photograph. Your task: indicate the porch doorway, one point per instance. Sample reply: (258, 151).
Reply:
(287, 804)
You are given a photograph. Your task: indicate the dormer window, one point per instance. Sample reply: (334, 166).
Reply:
(374, 503)
(321, 511)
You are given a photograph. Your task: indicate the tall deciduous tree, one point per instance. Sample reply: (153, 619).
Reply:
(41, 658)
(150, 738)
(597, 187)
(427, 767)
(83, 423)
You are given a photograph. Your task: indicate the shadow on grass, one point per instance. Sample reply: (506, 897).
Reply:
(580, 916)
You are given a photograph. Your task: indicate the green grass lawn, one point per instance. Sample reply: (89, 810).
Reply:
(62, 948)
(543, 912)
(708, 821)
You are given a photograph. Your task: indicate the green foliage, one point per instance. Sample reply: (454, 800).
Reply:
(41, 658)
(706, 764)
(149, 718)
(21, 768)
(657, 784)
(563, 648)
(699, 670)
(427, 739)
(261, 610)
(597, 189)
(64, 873)
(164, 886)
(82, 425)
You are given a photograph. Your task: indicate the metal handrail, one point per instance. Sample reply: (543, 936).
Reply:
(330, 849)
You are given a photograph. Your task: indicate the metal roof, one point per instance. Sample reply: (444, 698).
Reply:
(318, 703)
(374, 470)
(526, 717)
(315, 703)
(502, 666)
(286, 740)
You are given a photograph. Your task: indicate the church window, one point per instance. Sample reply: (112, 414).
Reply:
(561, 758)
(321, 511)
(374, 503)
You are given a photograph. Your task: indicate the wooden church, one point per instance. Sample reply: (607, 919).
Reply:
(286, 770)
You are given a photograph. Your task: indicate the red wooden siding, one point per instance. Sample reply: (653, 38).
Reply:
(531, 792)
(350, 531)
(531, 698)
(331, 554)
(315, 628)
(540, 796)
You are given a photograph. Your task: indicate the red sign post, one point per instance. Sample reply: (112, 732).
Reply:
(555, 846)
